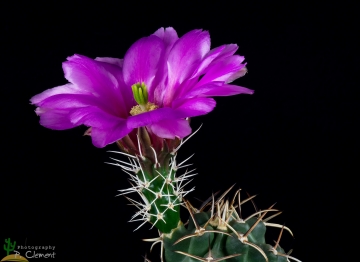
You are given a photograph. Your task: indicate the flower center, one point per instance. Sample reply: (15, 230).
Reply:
(141, 97)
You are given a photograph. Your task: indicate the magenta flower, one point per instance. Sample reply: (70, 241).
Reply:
(162, 80)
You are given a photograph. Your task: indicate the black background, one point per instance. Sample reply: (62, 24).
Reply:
(292, 142)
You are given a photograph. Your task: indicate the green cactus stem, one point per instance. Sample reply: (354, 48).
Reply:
(10, 247)
(152, 168)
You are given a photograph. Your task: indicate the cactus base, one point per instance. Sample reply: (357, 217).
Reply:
(217, 232)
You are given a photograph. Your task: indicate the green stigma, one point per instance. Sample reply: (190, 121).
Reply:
(141, 97)
(140, 93)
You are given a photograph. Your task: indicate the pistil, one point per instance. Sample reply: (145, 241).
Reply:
(141, 97)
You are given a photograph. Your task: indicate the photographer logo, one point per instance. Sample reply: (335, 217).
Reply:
(23, 253)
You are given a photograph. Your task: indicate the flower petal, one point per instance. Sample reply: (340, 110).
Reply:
(68, 101)
(228, 50)
(122, 93)
(169, 37)
(214, 53)
(171, 128)
(141, 61)
(222, 69)
(151, 117)
(96, 78)
(102, 137)
(218, 89)
(105, 128)
(110, 60)
(183, 58)
(64, 89)
(194, 106)
(87, 74)
(54, 119)
(237, 74)
(94, 117)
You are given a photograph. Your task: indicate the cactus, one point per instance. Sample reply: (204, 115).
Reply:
(215, 232)
(10, 247)
(166, 95)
